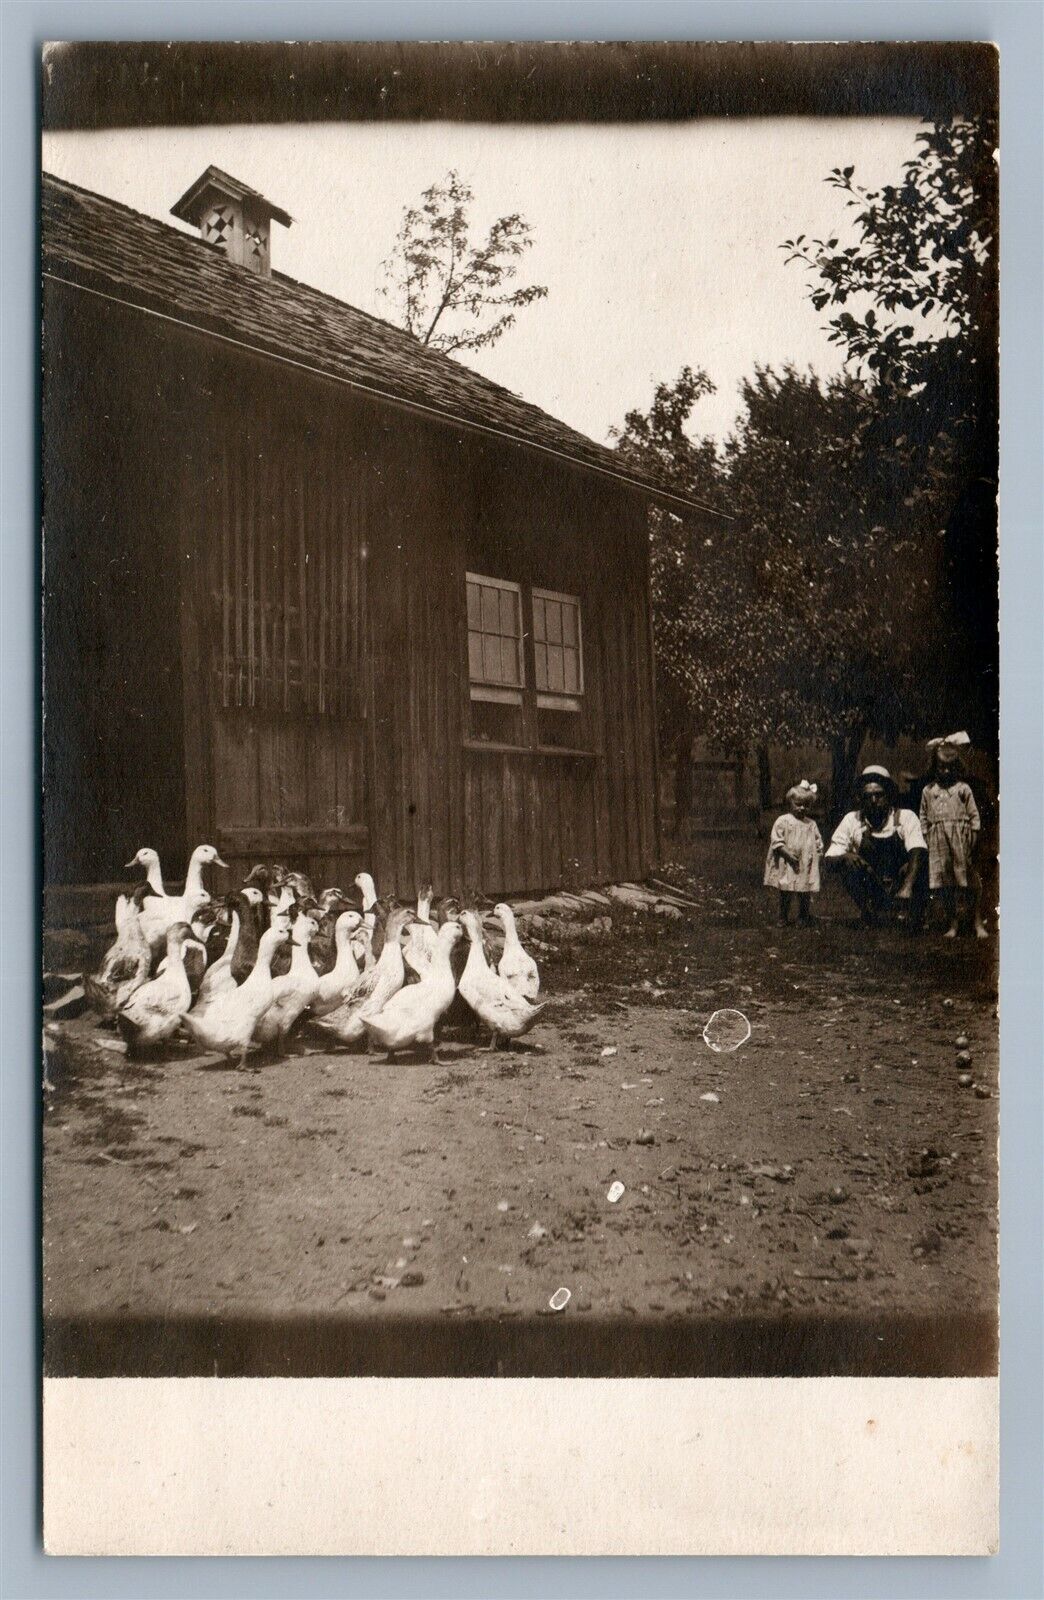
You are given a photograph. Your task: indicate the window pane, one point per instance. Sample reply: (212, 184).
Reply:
(554, 622)
(540, 664)
(490, 610)
(539, 628)
(555, 677)
(491, 657)
(569, 624)
(475, 655)
(571, 675)
(508, 613)
(474, 606)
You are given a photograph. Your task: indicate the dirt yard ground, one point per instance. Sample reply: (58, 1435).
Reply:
(831, 1173)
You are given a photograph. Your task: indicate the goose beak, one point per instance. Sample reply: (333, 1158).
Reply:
(133, 863)
(219, 863)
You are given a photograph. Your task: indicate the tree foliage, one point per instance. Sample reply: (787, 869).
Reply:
(699, 594)
(854, 589)
(846, 559)
(920, 323)
(448, 291)
(926, 246)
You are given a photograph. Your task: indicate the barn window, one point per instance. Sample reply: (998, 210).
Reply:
(495, 665)
(557, 650)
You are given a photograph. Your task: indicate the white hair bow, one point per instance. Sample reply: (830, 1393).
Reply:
(957, 739)
(810, 788)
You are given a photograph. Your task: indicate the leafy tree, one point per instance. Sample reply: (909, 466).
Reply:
(712, 656)
(444, 287)
(920, 323)
(859, 570)
(812, 614)
(847, 565)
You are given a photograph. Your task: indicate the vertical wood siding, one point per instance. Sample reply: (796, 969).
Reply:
(322, 542)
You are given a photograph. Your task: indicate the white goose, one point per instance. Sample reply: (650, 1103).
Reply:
(218, 978)
(149, 859)
(492, 998)
(516, 965)
(368, 889)
(293, 993)
(279, 902)
(125, 966)
(421, 939)
(375, 987)
(154, 1011)
(159, 913)
(410, 1017)
(229, 1022)
(337, 984)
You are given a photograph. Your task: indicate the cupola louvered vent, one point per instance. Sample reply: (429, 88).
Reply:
(234, 218)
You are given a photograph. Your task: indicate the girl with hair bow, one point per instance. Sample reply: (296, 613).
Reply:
(795, 848)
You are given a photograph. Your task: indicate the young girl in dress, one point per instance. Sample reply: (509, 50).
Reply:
(951, 827)
(795, 848)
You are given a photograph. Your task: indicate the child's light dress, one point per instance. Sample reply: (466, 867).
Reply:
(803, 839)
(950, 821)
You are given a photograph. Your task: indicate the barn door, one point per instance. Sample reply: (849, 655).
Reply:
(286, 691)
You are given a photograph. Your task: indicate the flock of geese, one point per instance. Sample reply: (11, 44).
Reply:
(243, 970)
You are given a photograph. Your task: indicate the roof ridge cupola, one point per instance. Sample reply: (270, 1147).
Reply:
(234, 218)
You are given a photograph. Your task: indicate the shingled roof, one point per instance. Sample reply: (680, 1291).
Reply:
(101, 245)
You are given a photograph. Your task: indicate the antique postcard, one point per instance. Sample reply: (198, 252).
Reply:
(520, 755)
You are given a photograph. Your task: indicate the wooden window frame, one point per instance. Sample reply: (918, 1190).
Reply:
(486, 689)
(555, 699)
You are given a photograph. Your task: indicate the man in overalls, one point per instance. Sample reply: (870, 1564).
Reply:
(879, 853)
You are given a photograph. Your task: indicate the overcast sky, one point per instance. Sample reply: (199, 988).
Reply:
(658, 243)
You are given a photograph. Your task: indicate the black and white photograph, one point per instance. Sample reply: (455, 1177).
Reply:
(521, 730)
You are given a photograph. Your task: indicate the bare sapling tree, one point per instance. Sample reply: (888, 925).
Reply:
(449, 292)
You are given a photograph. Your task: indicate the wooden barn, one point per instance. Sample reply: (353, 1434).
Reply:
(316, 593)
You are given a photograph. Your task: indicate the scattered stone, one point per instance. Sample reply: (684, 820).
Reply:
(965, 1080)
(962, 1041)
(948, 1004)
(711, 1098)
(376, 1294)
(503, 1205)
(616, 1191)
(930, 1242)
(964, 1058)
(837, 1195)
(645, 1137)
(610, 1050)
(537, 1231)
(982, 1092)
(412, 1279)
